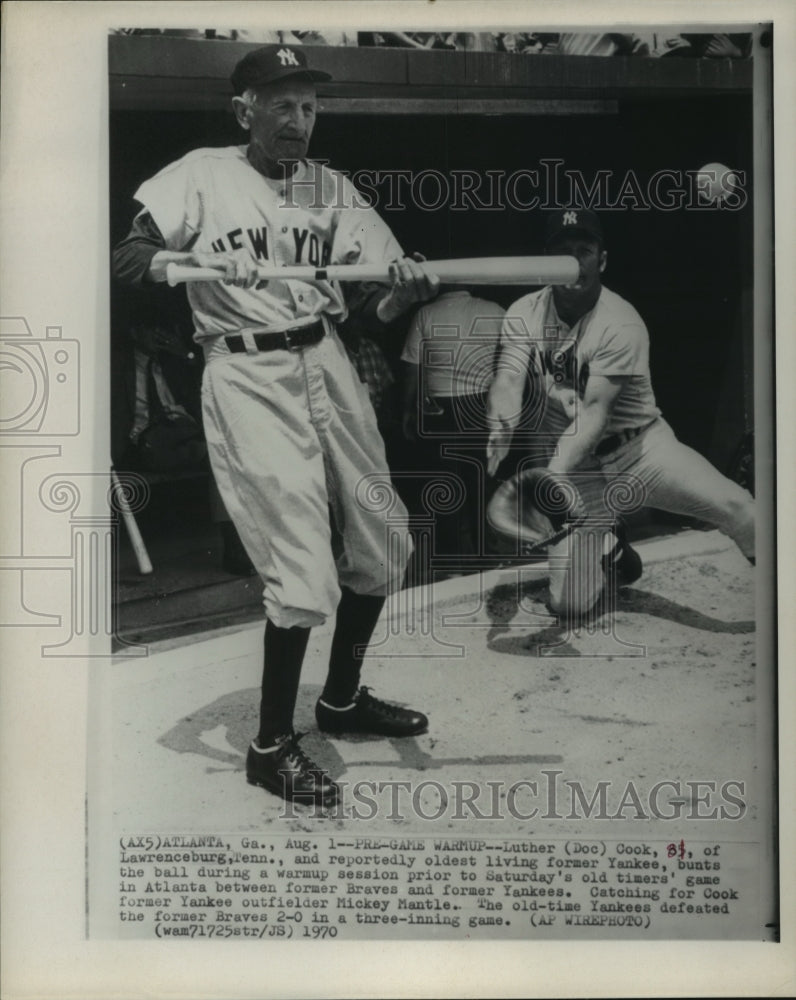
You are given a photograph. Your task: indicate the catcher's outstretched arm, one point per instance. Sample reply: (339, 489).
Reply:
(504, 406)
(584, 433)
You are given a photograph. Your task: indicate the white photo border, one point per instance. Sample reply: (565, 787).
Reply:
(55, 273)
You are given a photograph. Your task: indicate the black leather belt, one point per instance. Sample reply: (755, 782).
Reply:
(609, 444)
(285, 340)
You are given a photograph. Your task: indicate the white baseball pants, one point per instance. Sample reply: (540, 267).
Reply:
(292, 435)
(659, 471)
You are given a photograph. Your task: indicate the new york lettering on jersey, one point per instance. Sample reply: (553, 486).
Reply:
(308, 247)
(561, 364)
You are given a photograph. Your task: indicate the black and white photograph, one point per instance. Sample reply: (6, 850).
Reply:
(498, 515)
(405, 497)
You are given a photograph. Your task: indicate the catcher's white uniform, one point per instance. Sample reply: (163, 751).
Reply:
(639, 462)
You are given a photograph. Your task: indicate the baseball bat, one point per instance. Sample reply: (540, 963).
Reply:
(137, 542)
(464, 271)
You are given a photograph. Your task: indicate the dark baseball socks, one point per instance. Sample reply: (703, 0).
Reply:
(357, 615)
(275, 760)
(344, 707)
(284, 650)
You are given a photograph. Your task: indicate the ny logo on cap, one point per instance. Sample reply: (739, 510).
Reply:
(287, 57)
(570, 218)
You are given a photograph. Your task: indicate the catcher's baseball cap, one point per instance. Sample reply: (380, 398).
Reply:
(565, 221)
(271, 63)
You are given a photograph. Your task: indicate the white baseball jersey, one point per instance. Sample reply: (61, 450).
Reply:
(610, 340)
(214, 200)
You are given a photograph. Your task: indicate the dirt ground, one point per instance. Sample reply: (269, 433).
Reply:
(661, 689)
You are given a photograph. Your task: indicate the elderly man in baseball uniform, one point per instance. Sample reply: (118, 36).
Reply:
(587, 353)
(291, 432)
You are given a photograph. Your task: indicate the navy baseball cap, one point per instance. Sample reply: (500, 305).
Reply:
(564, 221)
(271, 63)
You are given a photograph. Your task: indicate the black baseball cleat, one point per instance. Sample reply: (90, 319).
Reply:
(629, 567)
(622, 564)
(288, 772)
(370, 715)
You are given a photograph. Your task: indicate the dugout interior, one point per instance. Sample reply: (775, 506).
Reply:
(454, 116)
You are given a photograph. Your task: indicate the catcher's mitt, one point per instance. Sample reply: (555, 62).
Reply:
(537, 508)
